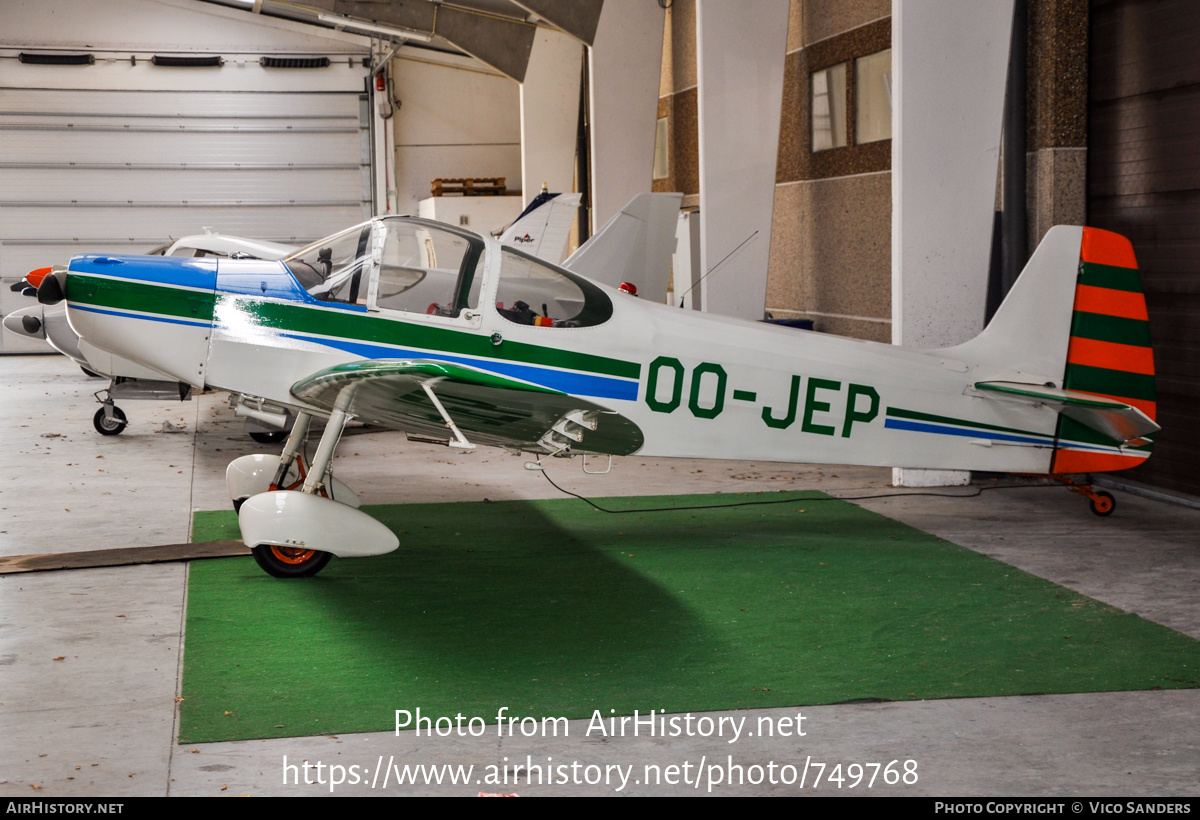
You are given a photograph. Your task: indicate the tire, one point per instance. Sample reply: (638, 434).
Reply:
(91, 373)
(1103, 503)
(109, 427)
(290, 562)
(269, 438)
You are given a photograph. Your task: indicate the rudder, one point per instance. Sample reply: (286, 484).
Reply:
(1108, 353)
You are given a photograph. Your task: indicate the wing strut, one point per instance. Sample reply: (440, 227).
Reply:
(460, 440)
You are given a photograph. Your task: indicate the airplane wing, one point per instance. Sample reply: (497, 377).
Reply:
(1118, 421)
(487, 407)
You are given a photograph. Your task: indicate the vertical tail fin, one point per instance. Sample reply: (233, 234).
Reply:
(544, 227)
(1073, 334)
(634, 246)
(1108, 353)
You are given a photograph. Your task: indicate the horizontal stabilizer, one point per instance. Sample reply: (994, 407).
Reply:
(1117, 420)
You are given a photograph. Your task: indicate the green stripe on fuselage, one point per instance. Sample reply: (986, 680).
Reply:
(166, 300)
(897, 412)
(370, 329)
(146, 297)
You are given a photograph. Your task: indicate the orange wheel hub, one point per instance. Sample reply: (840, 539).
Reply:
(292, 555)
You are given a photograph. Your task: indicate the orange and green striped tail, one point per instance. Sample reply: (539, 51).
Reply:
(1109, 352)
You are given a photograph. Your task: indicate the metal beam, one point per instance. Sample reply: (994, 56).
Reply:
(504, 45)
(579, 18)
(418, 15)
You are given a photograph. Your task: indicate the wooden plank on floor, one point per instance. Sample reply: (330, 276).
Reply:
(120, 557)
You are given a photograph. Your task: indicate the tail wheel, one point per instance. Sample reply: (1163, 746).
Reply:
(1103, 503)
(290, 562)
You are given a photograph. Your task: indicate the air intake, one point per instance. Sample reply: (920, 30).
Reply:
(294, 62)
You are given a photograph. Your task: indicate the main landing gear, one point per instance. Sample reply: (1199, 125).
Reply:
(295, 517)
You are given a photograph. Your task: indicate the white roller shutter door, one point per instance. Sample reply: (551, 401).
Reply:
(112, 159)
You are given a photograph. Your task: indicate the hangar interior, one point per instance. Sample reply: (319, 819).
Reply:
(820, 182)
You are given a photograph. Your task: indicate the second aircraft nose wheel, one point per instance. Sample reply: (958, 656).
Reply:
(106, 426)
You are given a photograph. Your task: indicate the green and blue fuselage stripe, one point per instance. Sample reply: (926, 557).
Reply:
(366, 336)
(913, 421)
(331, 320)
(893, 423)
(564, 381)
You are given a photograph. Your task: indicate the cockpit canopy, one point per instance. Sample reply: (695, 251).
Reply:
(416, 266)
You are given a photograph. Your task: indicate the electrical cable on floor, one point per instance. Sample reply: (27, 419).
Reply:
(978, 491)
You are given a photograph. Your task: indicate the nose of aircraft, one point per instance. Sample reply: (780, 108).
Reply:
(155, 311)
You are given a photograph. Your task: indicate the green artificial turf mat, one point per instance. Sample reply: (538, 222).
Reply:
(552, 609)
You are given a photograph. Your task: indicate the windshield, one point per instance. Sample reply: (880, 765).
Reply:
(394, 264)
(332, 269)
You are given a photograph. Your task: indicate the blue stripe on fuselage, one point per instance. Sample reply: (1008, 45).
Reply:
(202, 274)
(920, 427)
(124, 315)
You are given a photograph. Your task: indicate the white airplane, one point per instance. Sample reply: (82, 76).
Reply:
(451, 336)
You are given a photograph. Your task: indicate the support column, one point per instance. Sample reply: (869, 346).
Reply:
(740, 55)
(550, 113)
(625, 65)
(949, 61)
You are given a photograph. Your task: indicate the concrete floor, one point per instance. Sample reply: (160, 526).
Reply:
(90, 659)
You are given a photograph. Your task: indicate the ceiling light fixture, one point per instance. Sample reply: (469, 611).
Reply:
(362, 25)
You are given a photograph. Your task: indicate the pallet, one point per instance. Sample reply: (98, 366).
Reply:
(470, 186)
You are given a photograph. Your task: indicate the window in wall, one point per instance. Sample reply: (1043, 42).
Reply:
(662, 167)
(829, 108)
(873, 97)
